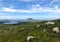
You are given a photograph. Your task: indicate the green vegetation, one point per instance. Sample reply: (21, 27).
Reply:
(19, 33)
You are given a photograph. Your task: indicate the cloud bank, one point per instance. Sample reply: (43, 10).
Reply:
(34, 9)
(35, 6)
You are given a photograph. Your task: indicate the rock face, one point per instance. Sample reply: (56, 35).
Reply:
(29, 37)
(56, 29)
(50, 23)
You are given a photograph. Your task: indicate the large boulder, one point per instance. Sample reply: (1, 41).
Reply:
(56, 29)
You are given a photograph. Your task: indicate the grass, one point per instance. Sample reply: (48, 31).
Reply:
(15, 33)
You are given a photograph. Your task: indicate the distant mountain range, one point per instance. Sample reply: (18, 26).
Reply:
(16, 21)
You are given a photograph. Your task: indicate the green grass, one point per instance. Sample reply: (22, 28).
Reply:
(15, 33)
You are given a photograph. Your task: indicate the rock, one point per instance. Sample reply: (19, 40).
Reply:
(50, 23)
(38, 26)
(29, 37)
(44, 30)
(56, 29)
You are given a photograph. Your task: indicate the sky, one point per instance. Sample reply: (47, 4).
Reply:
(23, 9)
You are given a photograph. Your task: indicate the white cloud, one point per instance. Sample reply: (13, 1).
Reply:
(33, 9)
(8, 9)
(13, 17)
(53, 1)
(4, 9)
(56, 7)
(46, 9)
(31, 0)
(25, 0)
(7, 17)
(37, 6)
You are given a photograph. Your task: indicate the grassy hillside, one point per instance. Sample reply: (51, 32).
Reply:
(19, 33)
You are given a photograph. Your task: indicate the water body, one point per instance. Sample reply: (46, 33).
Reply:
(11, 22)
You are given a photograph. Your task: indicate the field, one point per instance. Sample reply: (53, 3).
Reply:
(19, 32)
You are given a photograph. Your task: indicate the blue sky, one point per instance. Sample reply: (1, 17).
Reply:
(23, 9)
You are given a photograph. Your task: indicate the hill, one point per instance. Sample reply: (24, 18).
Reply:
(20, 32)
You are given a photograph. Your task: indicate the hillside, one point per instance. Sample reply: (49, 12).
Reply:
(20, 32)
